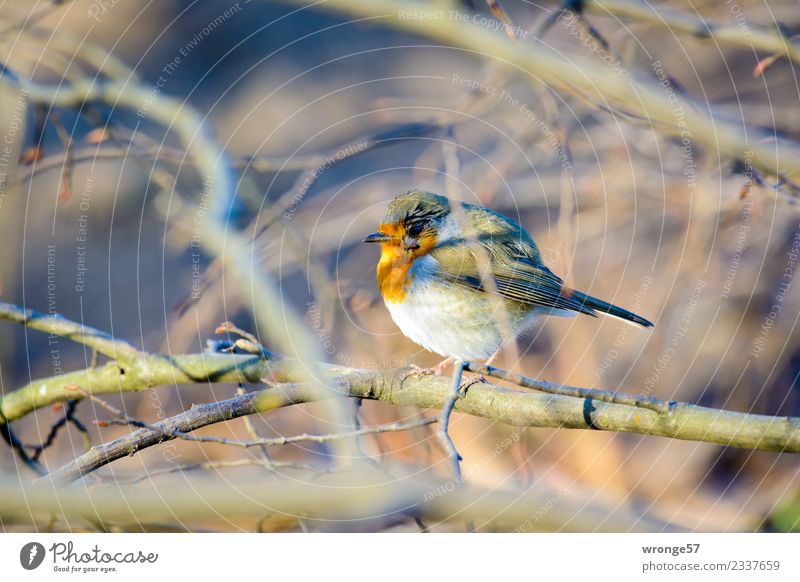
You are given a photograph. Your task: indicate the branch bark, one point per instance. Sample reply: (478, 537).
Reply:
(356, 501)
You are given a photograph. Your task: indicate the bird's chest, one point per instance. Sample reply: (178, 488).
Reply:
(444, 318)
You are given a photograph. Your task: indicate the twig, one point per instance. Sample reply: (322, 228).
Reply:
(636, 400)
(263, 450)
(763, 38)
(164, 154)
(122, 418)
(270, 442)
(565, 7)
(444, 422)
(19, 449)
(246, 343)
(68, 418)
(219, 465)
(65, 180)
(501, 14)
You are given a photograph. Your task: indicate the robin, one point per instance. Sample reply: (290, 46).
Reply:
(461, 280)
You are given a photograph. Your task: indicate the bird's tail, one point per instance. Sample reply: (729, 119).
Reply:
(600, 306)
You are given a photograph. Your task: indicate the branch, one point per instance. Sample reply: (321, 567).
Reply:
(122, 418)
(221, 465)
(525, 409)
(77, 332)
(754, 36)
(635, 95)
(217, 239)
(336, 497)
(564, 406)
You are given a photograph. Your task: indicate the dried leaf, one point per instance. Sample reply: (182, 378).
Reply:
(65, 192)
(765, 63)
(98, 135)
(31, 154)
(225, 327)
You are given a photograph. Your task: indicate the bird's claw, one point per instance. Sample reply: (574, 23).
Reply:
(418, 372)
(470, 379)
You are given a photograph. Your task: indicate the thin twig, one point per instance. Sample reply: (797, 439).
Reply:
(122, 418)
(444, 422)
(19, 449)
(68, 418)
(65, 180)
(266, 461)
(754, 36)
(636, 400)
(220, 465)
(278, 441)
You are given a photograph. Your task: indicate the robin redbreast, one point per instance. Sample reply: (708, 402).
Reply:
(447, 269)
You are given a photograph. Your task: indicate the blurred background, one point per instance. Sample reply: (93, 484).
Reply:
(618, 210)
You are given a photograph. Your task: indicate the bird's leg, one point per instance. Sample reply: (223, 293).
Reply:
(493, 357)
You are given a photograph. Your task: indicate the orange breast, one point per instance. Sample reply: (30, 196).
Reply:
(393, 276)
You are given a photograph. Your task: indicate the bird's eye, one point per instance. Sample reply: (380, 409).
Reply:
(415, 229)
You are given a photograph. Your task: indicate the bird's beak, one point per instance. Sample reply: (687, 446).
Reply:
(377, 237)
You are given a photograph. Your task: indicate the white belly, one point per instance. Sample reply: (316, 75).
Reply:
(452, 321)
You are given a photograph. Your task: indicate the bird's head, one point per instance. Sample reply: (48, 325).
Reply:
(412, 225)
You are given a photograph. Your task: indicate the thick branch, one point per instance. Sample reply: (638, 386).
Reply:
(563, 406)
(354, 498)
(525, 409)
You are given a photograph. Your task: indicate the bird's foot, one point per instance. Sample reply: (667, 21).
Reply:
(417, 372)
(469, 379)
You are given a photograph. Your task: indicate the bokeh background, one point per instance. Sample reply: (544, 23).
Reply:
(618, 209)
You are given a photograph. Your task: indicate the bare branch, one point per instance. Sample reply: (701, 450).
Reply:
(632, 95)
(77, 332)
(209, 465)
(763, 38)
(122, 418)
(563, 406)
(217, 238)
(357, 499)
(682, 421)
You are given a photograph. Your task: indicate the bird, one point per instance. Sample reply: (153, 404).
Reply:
(461, 280)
